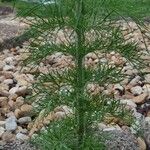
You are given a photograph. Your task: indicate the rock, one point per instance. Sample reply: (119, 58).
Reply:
(13, 90)
(148, 113)
(8, 136)
(140, 99)
(2, 123)
(138, 115)
(145, 128)
(8, 68)
(2, 78)
(26, 110)
(21, 130)
(11, 104)
(21, 91)
(19, 145)
(21, 79)
(59, 115)
(120, 140)
(19, 102)
(116, 127)
(7, 74)
(147, 78)
(141, 143)
(147, 120)
(128, 102)
(11, 124)
(4, 87)
(3, 101)
(125, 81)
(101, 126)
(118, 87)
(22, 137)
(8, 81)
(2, 130)
(64, 109)
(4, 93)
(24, 120)
(13, 97)
(135, 81)
(10, 114)
(10, 61)
(137, 90)
(17, 113)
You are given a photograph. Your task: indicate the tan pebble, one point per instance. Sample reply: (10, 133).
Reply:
(21, 79)
(17, 113)
(4, 93)
(30, 125)
(21, 91)
(26, 109)
(13, 50)
(2, 123)
(13, 97)
(2, 78)
(140, 99)
(8, 136)
(59, 115)
(4, 87)
(10, 114)
(8, 81)
(11, 103)
(148, 114)
(13, 90)
(141, 143)
(4, 110)
(8, 74)
(3, 101)
(19, 102)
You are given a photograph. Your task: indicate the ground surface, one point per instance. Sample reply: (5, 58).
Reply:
(15, 112)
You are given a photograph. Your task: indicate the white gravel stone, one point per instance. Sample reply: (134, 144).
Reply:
(11, 124)
(147, 78)
(147, 120)
(10, 61)
(8, 81)
(112, 128)
(13, 90)
(137, 90)
(24, 120)
(2, 130)
(128, 102)
(135, 81)
(2, 123)
(22, 137)
(8, 68)
(118, 87)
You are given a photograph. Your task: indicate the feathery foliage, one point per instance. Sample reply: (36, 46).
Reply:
(86, 26)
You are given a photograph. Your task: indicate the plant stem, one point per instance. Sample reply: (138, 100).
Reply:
(80, 73)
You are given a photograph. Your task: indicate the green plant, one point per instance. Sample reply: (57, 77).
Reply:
(84, 31)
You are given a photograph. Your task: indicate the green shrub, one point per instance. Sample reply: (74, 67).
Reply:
(81, 18)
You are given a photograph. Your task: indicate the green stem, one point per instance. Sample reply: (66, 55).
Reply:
(80, 73)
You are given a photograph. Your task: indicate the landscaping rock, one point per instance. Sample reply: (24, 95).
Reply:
(120, 140)
(2, 130)
(137, 90)
(140, 99)
(22, 137)
(24, 120)
(11, 124)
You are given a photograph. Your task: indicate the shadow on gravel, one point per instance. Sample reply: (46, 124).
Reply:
(14, 42)
(8, 31)
(5, 10)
